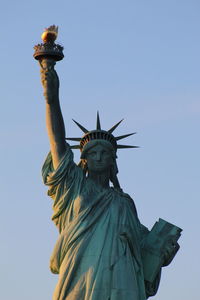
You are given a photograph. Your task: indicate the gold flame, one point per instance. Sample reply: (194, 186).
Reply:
(50, 34)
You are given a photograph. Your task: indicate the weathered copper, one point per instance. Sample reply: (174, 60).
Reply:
(48, 50)
(103, 250)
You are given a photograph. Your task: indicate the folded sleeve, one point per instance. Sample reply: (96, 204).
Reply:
(64, 183)
(65, 172)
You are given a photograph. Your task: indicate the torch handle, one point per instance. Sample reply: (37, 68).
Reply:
(47, 64)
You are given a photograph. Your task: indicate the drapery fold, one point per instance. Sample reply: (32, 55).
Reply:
(97, 255)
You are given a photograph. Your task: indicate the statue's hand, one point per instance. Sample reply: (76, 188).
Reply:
(170, 251)
(50, 80)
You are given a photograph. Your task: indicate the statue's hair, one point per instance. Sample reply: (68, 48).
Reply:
(113, 170)
(94, 143)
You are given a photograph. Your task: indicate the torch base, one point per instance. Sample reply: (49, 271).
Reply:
(48, 50)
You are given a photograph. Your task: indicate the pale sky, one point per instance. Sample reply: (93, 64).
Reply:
(137, 60)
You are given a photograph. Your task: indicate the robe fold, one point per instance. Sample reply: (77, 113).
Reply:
(98, 252)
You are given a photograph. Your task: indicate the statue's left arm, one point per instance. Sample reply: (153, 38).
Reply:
(159, 246)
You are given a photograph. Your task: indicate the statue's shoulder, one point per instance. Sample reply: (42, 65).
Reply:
(121, 193)
(127, 198)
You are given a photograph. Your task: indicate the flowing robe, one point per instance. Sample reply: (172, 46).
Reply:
(98, 252)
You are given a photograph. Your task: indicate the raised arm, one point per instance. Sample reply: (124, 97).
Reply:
(54, 119)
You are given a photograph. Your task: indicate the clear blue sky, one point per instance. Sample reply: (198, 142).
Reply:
(137, 60)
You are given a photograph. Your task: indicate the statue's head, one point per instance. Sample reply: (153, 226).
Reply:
(98, 156)
(98, 150)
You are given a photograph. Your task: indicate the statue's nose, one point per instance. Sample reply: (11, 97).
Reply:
(98, 156)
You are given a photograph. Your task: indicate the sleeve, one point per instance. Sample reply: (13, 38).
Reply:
(65, 172)
(64, 183)
(152, 287)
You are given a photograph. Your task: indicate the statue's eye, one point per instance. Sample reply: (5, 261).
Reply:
(105, 153)
(93, 153)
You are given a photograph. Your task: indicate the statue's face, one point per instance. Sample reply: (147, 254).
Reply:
(99, 159)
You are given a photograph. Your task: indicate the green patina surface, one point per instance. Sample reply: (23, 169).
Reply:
(98, 253)
(103, 251)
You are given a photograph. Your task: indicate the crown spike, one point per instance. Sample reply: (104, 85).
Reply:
(98, 133)
(81, 127)
(74, 139)
(126, 146)
(98, 127)
(114, 127)
(117, 138)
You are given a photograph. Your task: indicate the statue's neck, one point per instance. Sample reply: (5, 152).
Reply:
(101, 179)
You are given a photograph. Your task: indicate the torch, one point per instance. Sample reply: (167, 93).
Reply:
(48, 52)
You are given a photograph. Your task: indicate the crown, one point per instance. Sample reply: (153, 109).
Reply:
(99, 134)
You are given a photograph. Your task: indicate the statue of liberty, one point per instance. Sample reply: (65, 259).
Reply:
(102, 252)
